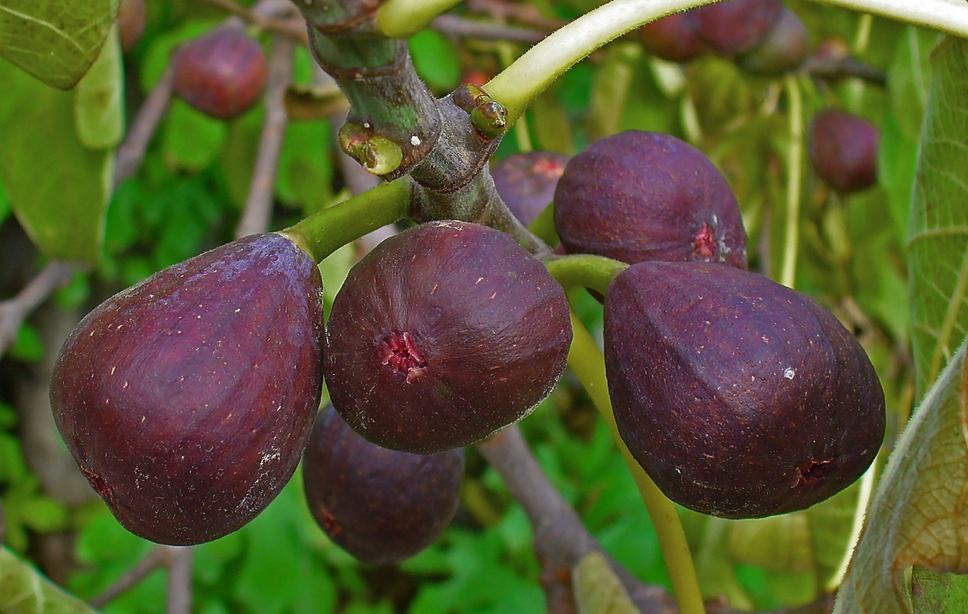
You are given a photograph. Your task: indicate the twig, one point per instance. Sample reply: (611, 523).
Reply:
(454, 25)
(131, 152)
(152, 561)
(833, 69)
(291, 27)
(14, 311)
(179, 560)
(258, 206)
(504, 11)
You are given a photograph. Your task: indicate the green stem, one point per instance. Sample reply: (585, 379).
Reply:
(404, 18)
(585, 270)
(324, 232)
(587, 363)
(794, 177)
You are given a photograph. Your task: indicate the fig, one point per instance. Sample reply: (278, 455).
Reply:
(843, 150)
(221, 73)
(526, 181)
(736, 26)
(381, 506)
(740, 397)
(442, 335)
(674, 37)
(188, 398)
(637, 196)
(785, 48)
(131, 23)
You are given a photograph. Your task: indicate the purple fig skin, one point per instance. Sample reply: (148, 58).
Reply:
(442, 335)
(381, 506)
(526, 181)
(740, 397)
(188, 398)
(637, 196)
(843, 150)
(784, 49)
(674, 38)
(222, 73)
(736, 26)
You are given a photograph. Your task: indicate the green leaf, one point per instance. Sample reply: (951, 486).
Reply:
(938, 245)
(937, 593)
(23, 590)
(28, 346)
(436, 60)
(58, 188)
(98, 99)
(611, 91)
(917, 514)
(597, 589)
(305, 166)
(192, 139)
(54, 40)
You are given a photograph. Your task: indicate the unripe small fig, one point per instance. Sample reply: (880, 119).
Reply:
(131, 23)
(222, 73)
(674, 37)
(637, 196)
(736, 26)
(442, 335)
(526, 181)
(188, 398)
(381, 506)
(785, 48)
(740, 397)
(843, 150)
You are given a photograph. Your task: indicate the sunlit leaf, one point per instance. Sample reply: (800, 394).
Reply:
(54, 40)
(937, 593)
(98, 99)
(918, 513)
(23, 590)
(938, 243)
(58, 188)
(597, 589)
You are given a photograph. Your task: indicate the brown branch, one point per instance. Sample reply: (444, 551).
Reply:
(131, 578)
(14, 311)
(258, 206)
(454, 25)
(179, 597)
(131, 152)
(833, 69)
(504, 11)
(293, 28)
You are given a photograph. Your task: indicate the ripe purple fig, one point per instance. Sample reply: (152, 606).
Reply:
(785, 47)
(736, 26)
(131, 23)
(222, 73)
(674, 38)
(381, 506)
(740, 397)
(843, 150)
(188, 398)
(526, 181)
(442, 335)
(638, 196)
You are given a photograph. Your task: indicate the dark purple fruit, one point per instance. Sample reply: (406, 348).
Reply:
(674, 38)
(786, 46)
(131, 23)
(381, 506)
(736, 26)
(442, 335)
(638, 196)
(222, 73)
(526, 181)
(187, 399)
(843, 150)
(740, 397)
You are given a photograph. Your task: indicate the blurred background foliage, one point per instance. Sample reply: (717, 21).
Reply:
(187, 197)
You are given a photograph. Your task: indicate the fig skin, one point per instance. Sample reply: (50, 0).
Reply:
(380, 505)
(736, 26)
(674, 38)
(637, 196)
(221, 73)
(843, 149)
(526, 181)
(784, 49)
(188, 398)
(132, 15)
(442, 335)
(740, 397)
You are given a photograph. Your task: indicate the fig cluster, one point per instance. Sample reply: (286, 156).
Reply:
(763, 36)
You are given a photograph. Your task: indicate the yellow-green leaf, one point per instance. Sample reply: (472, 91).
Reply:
(23, 590)
(918, 514)
(98, 100)
(56, 41)
(598, 590)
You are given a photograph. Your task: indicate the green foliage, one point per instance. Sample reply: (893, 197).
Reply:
(934, 593)
(23, 590)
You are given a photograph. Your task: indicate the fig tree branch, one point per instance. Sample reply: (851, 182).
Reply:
(14, 311)
(179, 561)
(131, 578)
(131, 152)
(454, 25)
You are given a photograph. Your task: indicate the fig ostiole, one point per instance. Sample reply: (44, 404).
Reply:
(443, 335)
(740, 397)
(188, 398)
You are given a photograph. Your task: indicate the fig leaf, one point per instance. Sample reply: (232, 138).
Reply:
(598, 590)
(24, 590)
